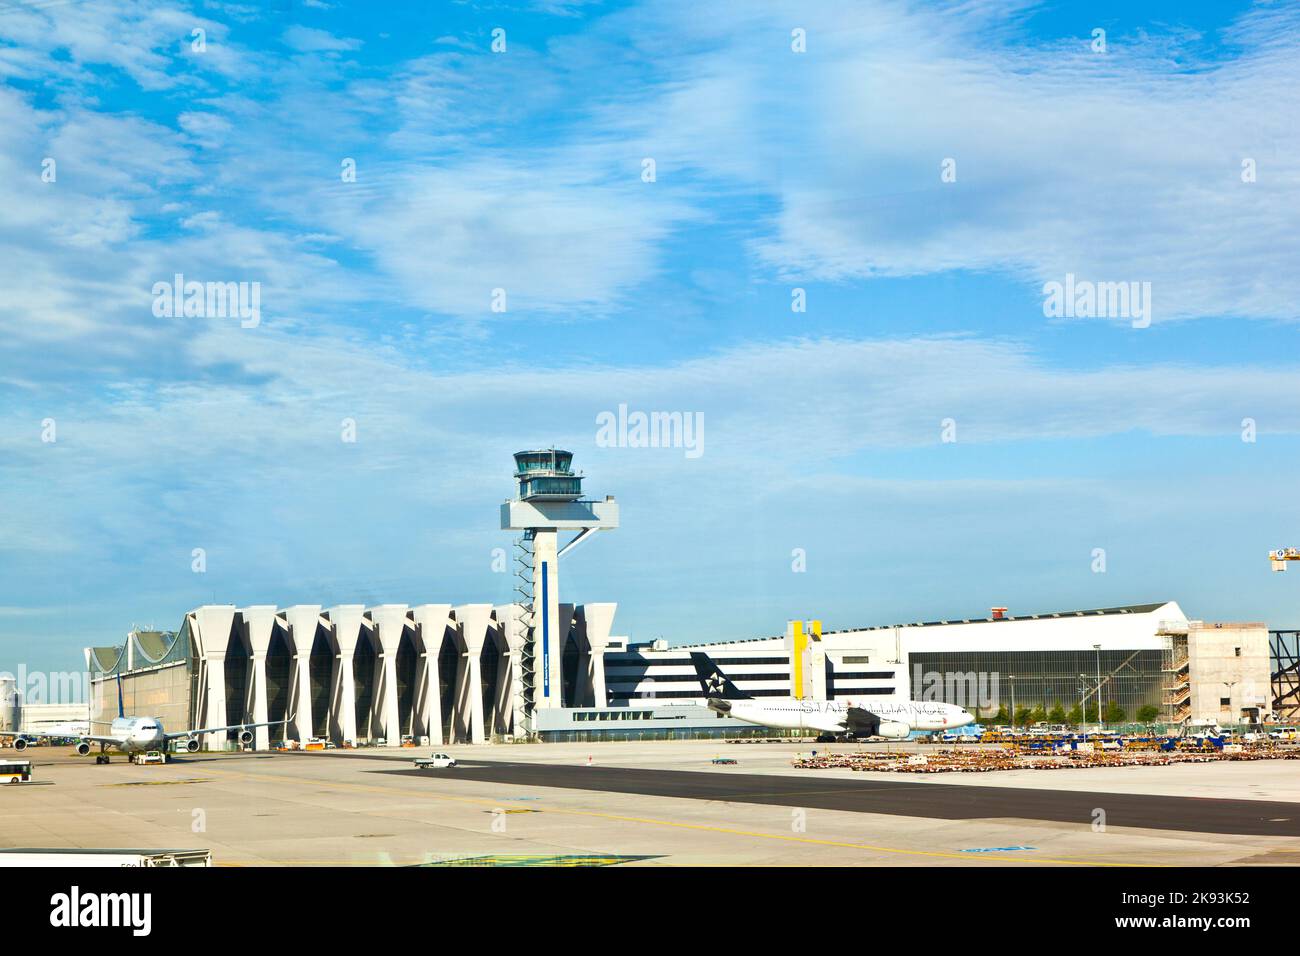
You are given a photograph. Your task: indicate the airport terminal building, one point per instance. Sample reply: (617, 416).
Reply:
(446, 674)
(540, 668)
(348, 674)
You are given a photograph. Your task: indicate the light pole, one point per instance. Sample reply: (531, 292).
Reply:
(1013, 700)
(1100, 719)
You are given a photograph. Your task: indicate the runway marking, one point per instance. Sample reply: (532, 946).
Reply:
(538, 859)
(997, 849)
(709, 828)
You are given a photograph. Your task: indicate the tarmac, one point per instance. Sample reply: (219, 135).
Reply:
(651, 803)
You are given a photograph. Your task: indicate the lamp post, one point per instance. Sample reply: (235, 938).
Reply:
(1012, 678)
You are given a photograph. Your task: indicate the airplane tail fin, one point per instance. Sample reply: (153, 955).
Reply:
(121, 708)
(715, 683)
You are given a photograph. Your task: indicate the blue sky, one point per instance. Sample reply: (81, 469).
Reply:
(522, 170)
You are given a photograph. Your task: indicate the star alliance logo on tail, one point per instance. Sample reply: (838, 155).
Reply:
(713, 683)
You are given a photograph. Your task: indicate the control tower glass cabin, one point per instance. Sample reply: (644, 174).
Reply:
(547, 475)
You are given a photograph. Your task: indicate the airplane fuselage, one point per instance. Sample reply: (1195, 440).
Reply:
(138, 733)
(831, 716)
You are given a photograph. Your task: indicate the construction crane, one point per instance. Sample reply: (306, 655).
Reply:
(1284, 650)
(1282, 555)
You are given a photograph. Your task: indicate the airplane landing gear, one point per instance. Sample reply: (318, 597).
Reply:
(101, 758)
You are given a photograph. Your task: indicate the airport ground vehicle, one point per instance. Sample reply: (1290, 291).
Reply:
(149, 756)
(435, 762)
(1204, 727)
(717, 761)
(15, 771)
(80, 857)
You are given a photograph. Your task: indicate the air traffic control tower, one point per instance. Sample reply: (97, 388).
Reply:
(549, 501)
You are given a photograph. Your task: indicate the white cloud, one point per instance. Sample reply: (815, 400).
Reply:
(551, 237)
(1113, 167)
(311, 40)
(255, 472)
(144, 40)
(478, 172)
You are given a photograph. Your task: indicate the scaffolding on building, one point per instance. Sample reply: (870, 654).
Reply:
(1284, 656)
(1177, 699)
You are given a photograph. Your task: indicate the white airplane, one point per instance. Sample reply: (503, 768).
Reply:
(67, 728)
(833, 719)
(136, 734)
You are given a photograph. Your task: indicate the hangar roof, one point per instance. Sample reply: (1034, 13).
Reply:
(1092, 612)
(1075, 615)
(148, 649)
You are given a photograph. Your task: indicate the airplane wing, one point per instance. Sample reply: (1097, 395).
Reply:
(62, 736)
(858, 719)
(216, 730)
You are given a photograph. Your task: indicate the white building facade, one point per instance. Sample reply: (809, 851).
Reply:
(444, 674)
(349, 674)
(1136, 655)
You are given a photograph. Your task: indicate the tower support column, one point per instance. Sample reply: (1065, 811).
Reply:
(258, 623)
(347, 621)
(594, 622)
(211, 628)
(472, 624)
(548, 634)
(431, 622)
(390, 622)
(303, 619)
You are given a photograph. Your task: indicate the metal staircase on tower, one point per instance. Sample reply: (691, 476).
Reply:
(525, 696)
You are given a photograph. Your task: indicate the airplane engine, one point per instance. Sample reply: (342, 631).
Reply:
(83, 748)
(192, 745)
(245, 736)
(20, 744)
(893, 729)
